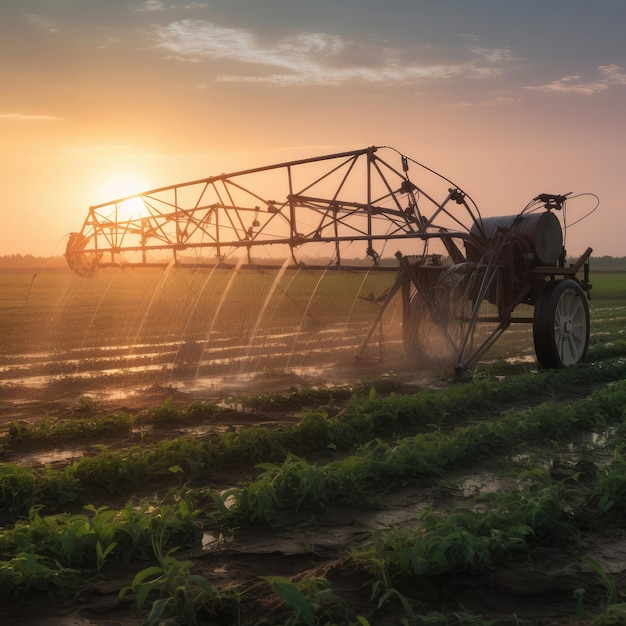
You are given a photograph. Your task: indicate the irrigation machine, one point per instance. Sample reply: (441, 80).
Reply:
(463, 279)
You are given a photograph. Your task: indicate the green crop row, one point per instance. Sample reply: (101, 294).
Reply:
(58, 550)
(54, 550)
(358, 478)
(65, 549)
(48, 431)
(468, 542)
(364, 420)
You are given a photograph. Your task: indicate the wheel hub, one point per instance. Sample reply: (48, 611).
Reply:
(567, 327)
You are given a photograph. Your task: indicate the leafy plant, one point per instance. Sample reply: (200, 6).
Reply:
(185, 598)
(295, 600)
(313, 602)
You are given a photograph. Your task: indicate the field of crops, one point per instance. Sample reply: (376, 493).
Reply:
(127, 330)
(194, 448)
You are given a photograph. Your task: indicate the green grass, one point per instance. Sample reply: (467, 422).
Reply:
(608, 287)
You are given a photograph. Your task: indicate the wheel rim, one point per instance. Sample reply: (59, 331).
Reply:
(570, 327)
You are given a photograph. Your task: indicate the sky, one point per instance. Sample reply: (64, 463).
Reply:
(508, 98)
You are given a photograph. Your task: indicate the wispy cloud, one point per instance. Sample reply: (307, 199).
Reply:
(22, 117)
(151, 5)
(607, 76)
(42, 23)
(157, 5)
(492, 102)
(315, 58)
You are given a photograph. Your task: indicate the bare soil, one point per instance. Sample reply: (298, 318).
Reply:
(536, 590)
(64, 356)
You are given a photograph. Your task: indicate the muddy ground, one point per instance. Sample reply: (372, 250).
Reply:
(535, 590)
(64, 357)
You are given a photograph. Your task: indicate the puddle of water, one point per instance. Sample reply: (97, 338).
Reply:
(198, 431)
(48, 457)
(486, 482)
(528, 358)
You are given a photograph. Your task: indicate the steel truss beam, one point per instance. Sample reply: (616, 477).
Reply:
(325, 203)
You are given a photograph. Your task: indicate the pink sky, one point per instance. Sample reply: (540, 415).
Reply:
(507, 99)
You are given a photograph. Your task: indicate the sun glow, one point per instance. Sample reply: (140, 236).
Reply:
(122, 192)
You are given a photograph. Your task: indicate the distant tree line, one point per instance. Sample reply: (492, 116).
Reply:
(608, 262)
(31, 261)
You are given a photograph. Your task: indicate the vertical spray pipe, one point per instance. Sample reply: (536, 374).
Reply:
(335, 208)
(144, 239)
(93, 222)
(176, 220)
(292, 215)
(370, 158)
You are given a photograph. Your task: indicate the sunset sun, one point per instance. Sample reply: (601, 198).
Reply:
(124, 188)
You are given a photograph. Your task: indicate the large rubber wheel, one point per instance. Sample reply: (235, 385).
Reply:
(561, 324)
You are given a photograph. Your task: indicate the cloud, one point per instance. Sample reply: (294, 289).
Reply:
(151, 5)
(42, 23)
(111, 41)
(489, 62)
(314, 58)
(156, 5)
(21, 117)
(493, 102)
(607, 76)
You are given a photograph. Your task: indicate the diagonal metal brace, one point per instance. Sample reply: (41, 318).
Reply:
(389, 296)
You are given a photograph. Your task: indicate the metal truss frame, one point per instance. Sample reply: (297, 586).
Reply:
(335, 199)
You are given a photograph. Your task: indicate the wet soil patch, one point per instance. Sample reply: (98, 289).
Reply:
(535, 589)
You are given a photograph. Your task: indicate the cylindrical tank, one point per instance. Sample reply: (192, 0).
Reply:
(542, 230)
